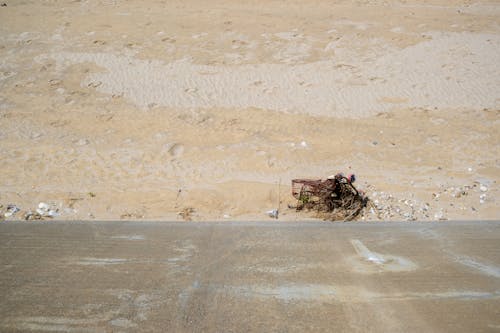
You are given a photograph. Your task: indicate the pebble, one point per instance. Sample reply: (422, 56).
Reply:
(11, 210)
(439, 216)
(82, 142)
(45, 210)
(483, 188)
(35, 135)
(273, 213)
(30, 216)
(482, 198)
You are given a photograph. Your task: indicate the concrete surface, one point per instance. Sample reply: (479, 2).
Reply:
(249, 277)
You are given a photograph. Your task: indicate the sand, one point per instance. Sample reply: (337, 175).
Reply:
(133, 110)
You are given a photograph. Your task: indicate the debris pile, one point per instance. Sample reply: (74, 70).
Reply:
(447, 201)
(333, 199)
(44, 210)
(387, 207)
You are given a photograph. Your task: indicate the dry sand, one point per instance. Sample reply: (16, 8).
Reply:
(142, 110)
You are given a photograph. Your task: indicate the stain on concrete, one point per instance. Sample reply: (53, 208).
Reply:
(369, 262)
(101, 261)
(481, 267)
(123, 322)
(130, 237)
(346, 294)
(52, 324)
(287, 293)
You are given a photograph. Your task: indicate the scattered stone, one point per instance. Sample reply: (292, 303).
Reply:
(273, 213)
(31, 216)
(482, 198)
(55, 82)
(46, 210)
(35, 135)
(483, 188)
(176, 150)
(440, 216)
(82, 142)
(11, 210)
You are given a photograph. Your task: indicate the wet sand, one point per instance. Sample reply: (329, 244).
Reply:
(115, 110)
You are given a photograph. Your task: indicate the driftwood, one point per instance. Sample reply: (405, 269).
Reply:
(333, 199)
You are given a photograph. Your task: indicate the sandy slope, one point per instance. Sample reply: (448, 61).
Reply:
(116, 109)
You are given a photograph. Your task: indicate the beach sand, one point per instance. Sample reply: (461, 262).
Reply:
(144, 110)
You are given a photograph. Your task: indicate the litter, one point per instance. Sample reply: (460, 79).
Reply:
(334, 199)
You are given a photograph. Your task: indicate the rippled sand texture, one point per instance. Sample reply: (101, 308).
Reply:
(146, 109)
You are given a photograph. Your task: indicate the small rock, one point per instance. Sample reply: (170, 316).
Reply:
(439, 216)
(45, 210)
(176, 150)
(43, 205)
(82, 142)
(35, 135)
(483, 188)
(273, 213)
(11, 210)
(482, 198)
(31, 216)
